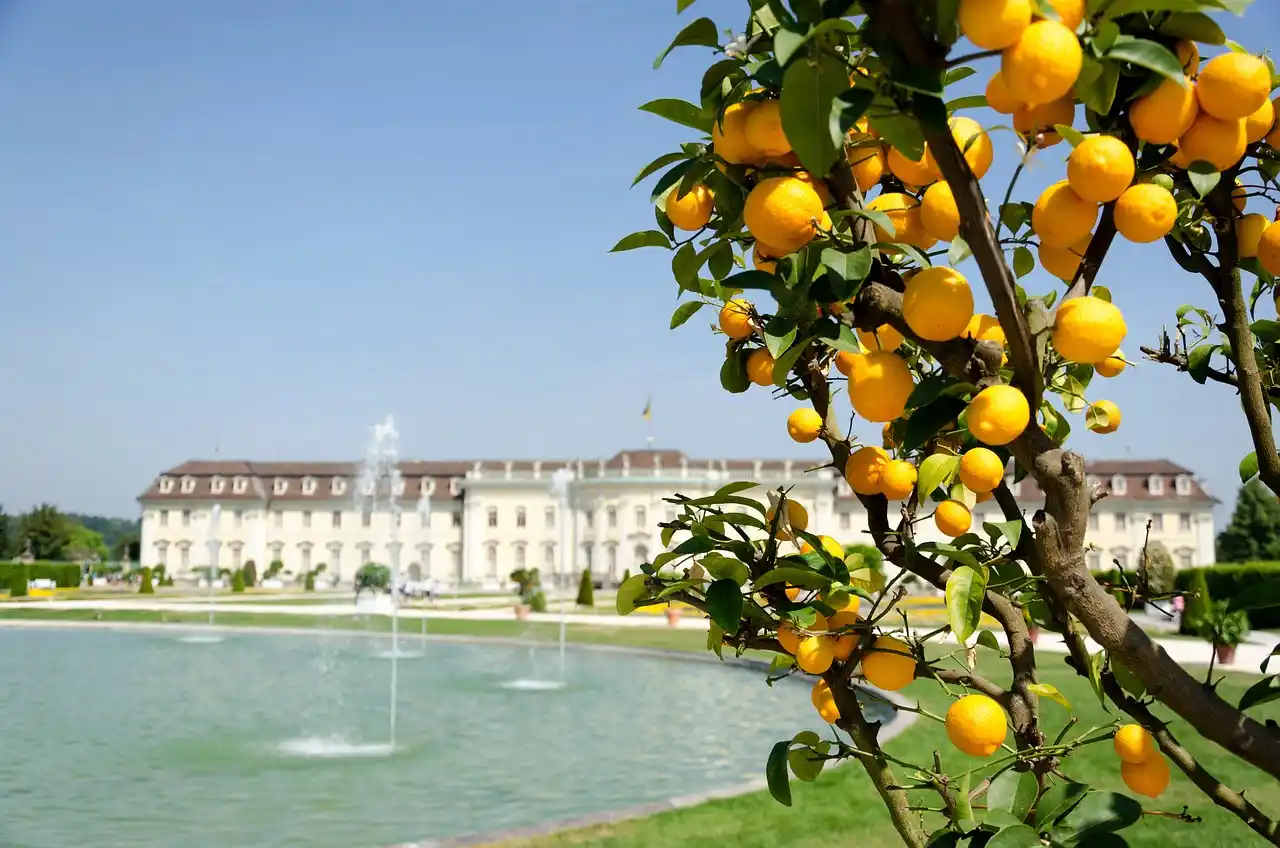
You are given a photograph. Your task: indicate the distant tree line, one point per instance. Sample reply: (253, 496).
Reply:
(51, 535)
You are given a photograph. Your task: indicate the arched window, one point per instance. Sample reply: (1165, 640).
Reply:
(519, 516)
(642, 517)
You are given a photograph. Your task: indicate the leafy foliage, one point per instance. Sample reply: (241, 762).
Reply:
(145, 586)
(586, 590)
(1254, 530)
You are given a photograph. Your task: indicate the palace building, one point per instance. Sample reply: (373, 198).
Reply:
(470, 523)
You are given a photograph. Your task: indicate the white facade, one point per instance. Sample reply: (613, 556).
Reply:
(471, 524)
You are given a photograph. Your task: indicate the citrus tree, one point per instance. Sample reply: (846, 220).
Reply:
(837, 179)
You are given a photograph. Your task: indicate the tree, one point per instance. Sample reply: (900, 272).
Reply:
(46, 531)
(84, 545)
(834, 151)
(1254, 530)
(250, 574)
(6, 536)
(586, 590)
(18, 582)
(371, 576)
(237, 580)
(145, 587)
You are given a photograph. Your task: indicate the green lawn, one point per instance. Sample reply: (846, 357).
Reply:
(841, 806)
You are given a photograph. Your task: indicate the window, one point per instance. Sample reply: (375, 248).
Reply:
(519, 556)
(235, 557)
(1157, 522)
(1095, 561)
(491, 554)
(239, 485)
(280, 486)
(1155, 484)
(166, 485)
(1119, 485)
(1122, 521)
(845, 521)
(306, 518)
(587, 557)
(427, 486)
(1182, 485)
(336, 519)
(613, 516)
(309, 486)
(493, 516)
(1184, 522)
(277, 518)
(455, 486)
(456, 519)
(1184, 558)
(306, 558)
(185, 556)
(549, 516)
(366, 519)
(424, 519)
(519, 516)
(642, 517)
(164, 518)
(186, 518)
(238, 515)
(548, 557)
(613, 560)
(216, 485)
(188, 485)
(338, 485)
(1095, 522)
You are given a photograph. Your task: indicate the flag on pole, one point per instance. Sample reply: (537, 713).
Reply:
(648, 409)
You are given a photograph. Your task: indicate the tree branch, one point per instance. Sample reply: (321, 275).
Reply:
(1103, 237)
(1179, 361)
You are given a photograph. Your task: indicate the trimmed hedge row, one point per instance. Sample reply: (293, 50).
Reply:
(1229, 580)
(65, 575)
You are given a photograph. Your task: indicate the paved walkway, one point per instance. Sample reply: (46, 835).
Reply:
(1185, 651)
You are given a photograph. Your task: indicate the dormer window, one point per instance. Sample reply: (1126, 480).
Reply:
(216, 485)
(455, 486)
(166, 485)
(338, 485)
(1155, 484)
(428, 486)
(309, 486)
(280, 486)
(239, 485)
(1119, 485)
(1182, 485)
(188, 485)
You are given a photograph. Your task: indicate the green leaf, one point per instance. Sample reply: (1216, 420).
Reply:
(936, 470)
(701, 32)
(1198, 361)
(1101, 292)
(645, 238)
(671, 177)
(1058, 801)
(869, 580)
(1266, 331)
(751, 280)
(783, 364)
(805, 578)
(807, 761)
(1014, 216)
(1096, 85)
(1129, 7)
(971, 101)
(1013, 792)
(733, 373)
(1095, 676)
(1015, 836)
(1249, 467)
(1048, 690)
(787, 41)
(1128, 681)
(733, 488)
(1204, 177)
(1070, 133)
(661, 162)
(926, 421)
(1147, 54)
(681, 5)
(966, 587)
(809, 89)
(777, 774)
(1010, 530)
(900, 131)
(848, 107)
(724, 604)
(848, 266)
(958, 252)
(685, 311)
(694, 545)
(722, 567)
(1192, 26)
(629, 592)
(779, 333)
(1264, 691)
(680, 112)
(1023, 261)
(1099, 813)
(987, 639)
(684, 267)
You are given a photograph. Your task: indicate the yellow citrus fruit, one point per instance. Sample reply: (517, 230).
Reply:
(729, 134)
(865, 469)
(804, 425)
(879, 384)
(735, 319)
(1100, 168)
(815, 654)
(820, 186)
(1249, 230)
(903, 212)
(1071, 12)
(1064, 262)
(976, 725)
(1189, 56)
(1258, 125)
(1273, 137)
(938, 212)
(981, 470)
(844, 362)
(1218, 142)
(994, 24)
(1134, 744)
(1269, 249)
(985, 328)
(1061, 217)
(760, 367)
(794, 592)
(788, 637)
(952, 518)
(1145, 212)
(797, 516)
(844, 642)
(1149, 777)
(1043, 64)
(937, 304)
(845, 604)
(888, 664)
(693, 211)
(999, 97)
(917, 172)
(898, 479)
(1164, 115)
(886, 434)
(997, 415)
(763, 129)
(832, 547)
(1103, 410)
(1038, 122)
(761, 261)
(1112, 366)
(973, 142)
(868, 165)
(825, 702)
(1232, 86)
(783, 212)
(883, 338)
(1239, 197)
(1088, 329)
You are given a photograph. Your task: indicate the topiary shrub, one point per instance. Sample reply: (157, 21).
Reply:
(586, 592)
(538, 600)
(237, 580)
(309, 582)
(146, 587)
(18, 581)
(1196, 604)
(250, 574)
(273, 569)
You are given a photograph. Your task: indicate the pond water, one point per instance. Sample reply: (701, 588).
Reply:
(139, 739)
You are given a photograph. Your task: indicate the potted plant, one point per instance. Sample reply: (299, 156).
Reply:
(1224, 630)
(529, 587)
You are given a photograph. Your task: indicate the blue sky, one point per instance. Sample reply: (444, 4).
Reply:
(263, 227)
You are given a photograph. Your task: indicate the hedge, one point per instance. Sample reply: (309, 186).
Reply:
(65, 575)
(1229, 580)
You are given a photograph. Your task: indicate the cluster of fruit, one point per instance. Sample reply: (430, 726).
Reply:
(1142, 766)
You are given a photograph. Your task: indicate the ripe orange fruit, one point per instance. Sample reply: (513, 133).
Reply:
(997, 415)
(937, 304)
(788, 637)
(693, 210)
(1164, 115)
(763, 129)
(797, 517)
(883, 337)
(815, 654)
(994, 24)
(1232, 86)
(952, 518)
(1064, 262)
(1149, 777)
(1189, 56)
(735, 319)
(973, 142)
(761, 260)
(1134, 744)
(985, 328)
(1112, 366)
(825, 702)
(1273, 137)
(903, 212)
(868, 165)
(1103, 417)
(1239, 197)
(1145, 212)
(999, 97)
(1249, 230)
(976, 725)
(981, 470)
(729, 134)
(1088, 329)
(897, 479)
(1043, 64)
(844, 642)
(1100, 168)
(1061, 217)
(1258, 125)
(760, 367)
(804, 425)
(879, 384)
(1070, 11)
(783, 212)
(1218, 142)
(889, 664)
(832, 547)
(865, 469)
(939, 213)
(1269, 249)
(912, 172)
(1038, 122)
